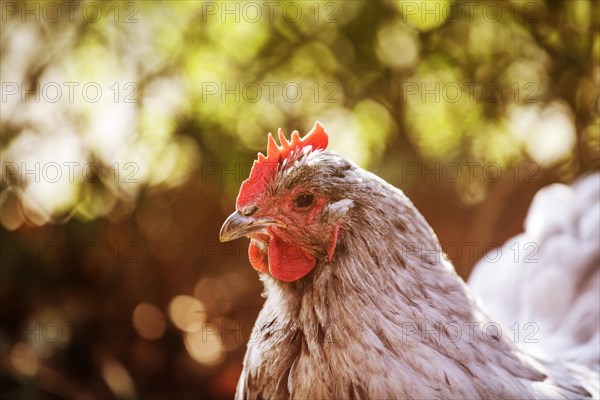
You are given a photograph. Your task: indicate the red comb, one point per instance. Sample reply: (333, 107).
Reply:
(264, 168)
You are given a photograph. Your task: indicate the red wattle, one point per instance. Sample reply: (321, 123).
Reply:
(288, 262)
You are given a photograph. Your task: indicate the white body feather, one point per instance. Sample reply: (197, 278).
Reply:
(554, 287)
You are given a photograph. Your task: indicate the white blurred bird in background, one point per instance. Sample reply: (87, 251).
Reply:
(544, 284)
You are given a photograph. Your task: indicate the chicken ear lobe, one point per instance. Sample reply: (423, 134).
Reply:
(287, 262)
(258, 258)
(333, 243)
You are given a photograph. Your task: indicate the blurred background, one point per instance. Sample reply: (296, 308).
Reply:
(127, 128)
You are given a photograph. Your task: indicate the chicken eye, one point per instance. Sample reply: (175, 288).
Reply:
(304, 200)
(248, 211)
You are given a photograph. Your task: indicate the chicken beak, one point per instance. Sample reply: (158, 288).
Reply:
(238, 225)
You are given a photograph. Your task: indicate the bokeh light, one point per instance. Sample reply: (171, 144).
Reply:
(118, 379)
(205, 345)
(24, 359)
(187, 313)
(149, 321)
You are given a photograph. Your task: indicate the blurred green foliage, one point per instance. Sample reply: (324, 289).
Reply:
(163, 106)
